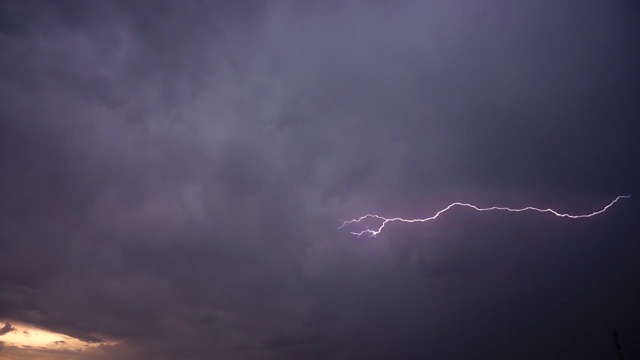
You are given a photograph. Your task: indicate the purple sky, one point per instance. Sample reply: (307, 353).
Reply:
(172, 174)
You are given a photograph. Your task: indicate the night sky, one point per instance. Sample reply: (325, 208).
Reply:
(172, 175)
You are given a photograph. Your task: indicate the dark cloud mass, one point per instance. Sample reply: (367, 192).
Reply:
(171, 175)
(7, 328)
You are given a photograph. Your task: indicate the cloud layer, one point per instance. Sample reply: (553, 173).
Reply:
(172, 176)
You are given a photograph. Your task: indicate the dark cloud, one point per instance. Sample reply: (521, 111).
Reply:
(7, 328)
(172, 176)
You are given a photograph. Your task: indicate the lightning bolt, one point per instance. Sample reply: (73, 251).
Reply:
(385, 221)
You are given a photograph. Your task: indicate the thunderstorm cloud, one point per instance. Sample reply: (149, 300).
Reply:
(172, 175)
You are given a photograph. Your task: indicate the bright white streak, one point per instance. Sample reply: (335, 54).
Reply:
(385, 221)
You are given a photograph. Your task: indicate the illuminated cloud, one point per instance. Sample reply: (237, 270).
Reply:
(22, 340)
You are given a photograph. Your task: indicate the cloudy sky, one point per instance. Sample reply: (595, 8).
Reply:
(172, 174)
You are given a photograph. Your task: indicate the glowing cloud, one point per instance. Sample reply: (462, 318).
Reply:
(25, 336)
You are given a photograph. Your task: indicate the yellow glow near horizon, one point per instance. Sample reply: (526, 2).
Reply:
(29, 336)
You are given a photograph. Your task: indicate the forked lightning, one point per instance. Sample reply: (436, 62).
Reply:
(385, 221)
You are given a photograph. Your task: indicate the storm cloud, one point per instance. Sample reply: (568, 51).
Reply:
(172, 175)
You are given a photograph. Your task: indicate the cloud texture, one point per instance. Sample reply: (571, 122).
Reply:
(172, 174)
